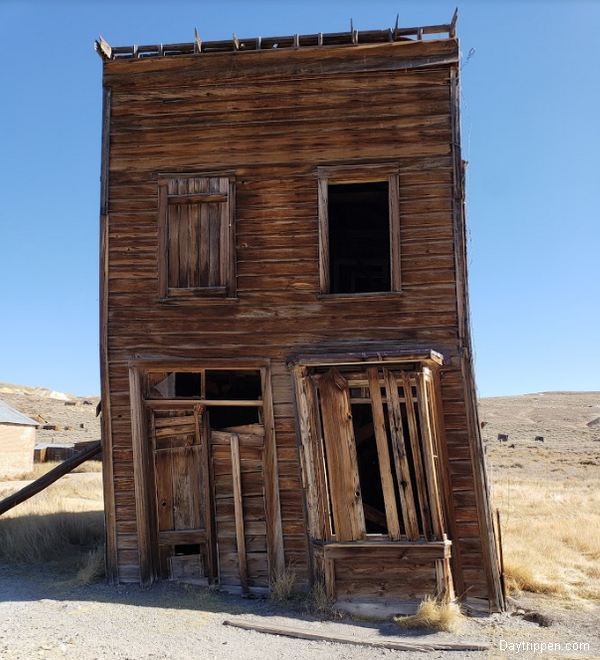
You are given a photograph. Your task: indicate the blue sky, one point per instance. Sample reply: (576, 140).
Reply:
(531, 102)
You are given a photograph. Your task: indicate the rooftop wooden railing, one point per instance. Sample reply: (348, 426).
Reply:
(296, 41)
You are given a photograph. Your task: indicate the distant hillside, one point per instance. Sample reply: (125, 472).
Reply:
(73, 416)
(40, 392)
(560, 417)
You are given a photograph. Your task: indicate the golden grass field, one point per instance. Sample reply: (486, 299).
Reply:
(548, 493)
(64, 523)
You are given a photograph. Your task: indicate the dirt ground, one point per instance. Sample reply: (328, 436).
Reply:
(45, 613)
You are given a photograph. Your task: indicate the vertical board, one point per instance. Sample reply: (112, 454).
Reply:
(407, 500)
(163, 476)
(387, 482)
(342, 464)
(238, 510)
(415, 447)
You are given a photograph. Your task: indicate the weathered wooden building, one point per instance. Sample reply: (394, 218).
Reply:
(17, 440)
(285, 349)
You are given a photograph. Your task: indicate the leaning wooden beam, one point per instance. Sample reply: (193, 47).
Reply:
(240, 534)
(347, 639)
(49, 478)
(429, 456)
(413, 432)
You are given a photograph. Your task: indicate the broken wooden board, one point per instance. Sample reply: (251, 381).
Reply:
(395, 645)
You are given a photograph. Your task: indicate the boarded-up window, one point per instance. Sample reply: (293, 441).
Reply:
(196, 236)
(379, 442)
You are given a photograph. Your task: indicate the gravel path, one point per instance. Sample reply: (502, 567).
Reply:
(43, 615)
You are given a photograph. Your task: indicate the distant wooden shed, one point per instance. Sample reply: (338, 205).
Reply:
(17, 440)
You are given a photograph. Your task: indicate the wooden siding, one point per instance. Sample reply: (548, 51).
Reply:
(269, 120)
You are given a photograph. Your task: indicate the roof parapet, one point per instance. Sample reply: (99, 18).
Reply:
(293, 42)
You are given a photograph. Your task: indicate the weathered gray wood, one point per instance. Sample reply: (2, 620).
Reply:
(342, 466)
(240, 534)
(395, 645)
(387, 482)
(108, 487)
(142, 481)
(403, 476)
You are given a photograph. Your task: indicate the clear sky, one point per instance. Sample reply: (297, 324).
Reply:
(531, 134)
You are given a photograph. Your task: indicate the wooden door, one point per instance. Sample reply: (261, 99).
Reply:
(183, 502)
(237, 459)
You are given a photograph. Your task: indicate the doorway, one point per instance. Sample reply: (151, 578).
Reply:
(213, 510)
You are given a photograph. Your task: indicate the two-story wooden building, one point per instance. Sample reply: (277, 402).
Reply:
(286, 360)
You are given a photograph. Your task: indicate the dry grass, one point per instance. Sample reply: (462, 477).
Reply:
(92, 567)
(551, 535)
(40, 469)
(57, 523)
(435, 615)
(319, 603)
(283, 583)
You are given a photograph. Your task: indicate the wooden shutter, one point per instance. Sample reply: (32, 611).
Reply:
(342, 464)
(195, 236)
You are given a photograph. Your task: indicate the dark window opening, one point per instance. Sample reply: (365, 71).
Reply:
(359, 237)
(187, 384)
(187, 549)
(244, 385)
(222, 417)
(368, 469)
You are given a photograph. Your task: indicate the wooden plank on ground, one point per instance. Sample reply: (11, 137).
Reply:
(396, 645)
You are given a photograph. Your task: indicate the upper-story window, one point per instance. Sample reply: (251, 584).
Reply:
(196, 236)
(359, 230)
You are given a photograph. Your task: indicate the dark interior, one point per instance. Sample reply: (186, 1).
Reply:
(235, 385)
(359, 237)
(187, 384)
(368, 469)
(222, 417)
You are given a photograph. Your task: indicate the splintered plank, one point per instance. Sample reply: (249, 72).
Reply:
(415, 446)
(428, 455)
(387, 482)
(407, 501)
(239, 511)
(342, 463)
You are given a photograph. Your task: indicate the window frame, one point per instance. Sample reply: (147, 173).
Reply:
(341, 174)
(227, 264)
